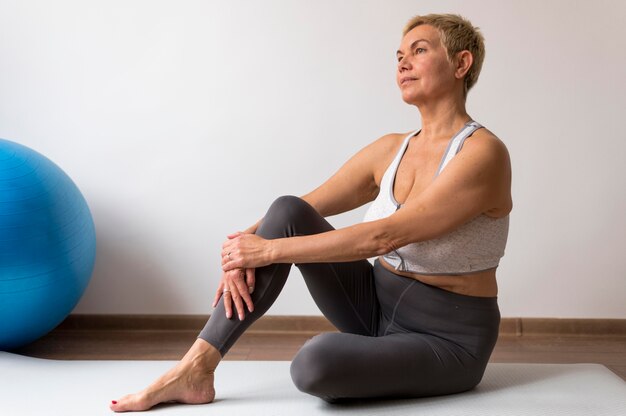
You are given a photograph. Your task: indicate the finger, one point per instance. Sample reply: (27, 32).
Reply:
(250, 280)
(218, 294)
(229, 256)
(227, 244)
(236, 297)
(232, 239)
(227, 262)
(244, 292)
(231, 265)
(252, 229)
(228, 305)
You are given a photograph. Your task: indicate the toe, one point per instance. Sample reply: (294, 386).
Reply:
(129, 403)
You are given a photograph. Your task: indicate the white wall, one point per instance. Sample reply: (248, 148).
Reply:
(182, 120)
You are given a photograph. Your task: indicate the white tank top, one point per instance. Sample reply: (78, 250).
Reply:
(475, 246)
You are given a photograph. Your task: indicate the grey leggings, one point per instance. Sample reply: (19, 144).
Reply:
(399, 337)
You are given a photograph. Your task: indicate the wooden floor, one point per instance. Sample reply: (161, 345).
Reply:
(263, 345)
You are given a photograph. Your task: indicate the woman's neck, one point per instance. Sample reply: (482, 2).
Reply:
(442, 118)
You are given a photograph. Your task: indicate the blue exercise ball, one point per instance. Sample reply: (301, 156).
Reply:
(47, 245)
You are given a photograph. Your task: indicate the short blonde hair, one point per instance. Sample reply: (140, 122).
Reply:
(457, 34)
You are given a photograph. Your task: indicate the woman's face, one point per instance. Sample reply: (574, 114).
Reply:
(424, 71)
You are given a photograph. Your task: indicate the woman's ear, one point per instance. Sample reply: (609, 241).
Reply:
(464, 60)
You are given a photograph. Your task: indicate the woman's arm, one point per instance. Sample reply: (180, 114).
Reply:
(355, 183)
(477, 180)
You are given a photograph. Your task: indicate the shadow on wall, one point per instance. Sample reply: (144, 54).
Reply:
(131, 275)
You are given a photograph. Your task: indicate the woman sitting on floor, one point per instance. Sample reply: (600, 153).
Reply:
(423, 320)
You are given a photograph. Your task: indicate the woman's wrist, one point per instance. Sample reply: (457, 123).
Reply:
(273, 252)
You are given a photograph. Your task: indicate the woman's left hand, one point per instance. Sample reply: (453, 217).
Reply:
(245, 251)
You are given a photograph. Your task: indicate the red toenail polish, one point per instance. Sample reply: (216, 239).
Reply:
(113, 401)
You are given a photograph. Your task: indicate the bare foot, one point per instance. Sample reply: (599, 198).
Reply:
(191, 381)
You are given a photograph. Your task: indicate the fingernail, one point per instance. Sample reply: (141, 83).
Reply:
(250, 289)
(228, 316)
(113, 401)
(241, 316)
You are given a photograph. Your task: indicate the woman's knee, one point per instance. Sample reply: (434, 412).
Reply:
(288, 216)
(473, 377)
(288, 206)
(312, 367)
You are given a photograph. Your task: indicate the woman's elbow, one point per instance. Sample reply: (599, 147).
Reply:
(384, 243)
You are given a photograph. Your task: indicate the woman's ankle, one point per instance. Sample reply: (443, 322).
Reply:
(203, 354)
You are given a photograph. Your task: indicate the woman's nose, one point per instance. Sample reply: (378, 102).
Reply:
(403, 64)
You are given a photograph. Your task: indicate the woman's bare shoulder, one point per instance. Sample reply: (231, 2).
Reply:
(389, 144)
(384, 150)
(487, 136)
(390, 139)
(486, 142)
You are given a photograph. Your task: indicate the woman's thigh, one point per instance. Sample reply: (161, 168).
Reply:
(346, 295)
(336, 366)
(430, 342)
(345, 292)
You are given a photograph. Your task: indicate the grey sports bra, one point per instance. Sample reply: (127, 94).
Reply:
(475, 246)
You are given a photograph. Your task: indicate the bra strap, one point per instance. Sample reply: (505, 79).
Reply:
(456, 143)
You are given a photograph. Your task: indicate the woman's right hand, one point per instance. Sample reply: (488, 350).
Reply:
(236, 286)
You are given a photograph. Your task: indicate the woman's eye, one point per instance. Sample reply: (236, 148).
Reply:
(419, 50)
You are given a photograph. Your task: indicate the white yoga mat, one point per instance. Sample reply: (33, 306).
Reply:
(31, 386)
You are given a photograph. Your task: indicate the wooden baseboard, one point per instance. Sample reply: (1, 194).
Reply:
(266, 323)
(318, 324)
(563, 327)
